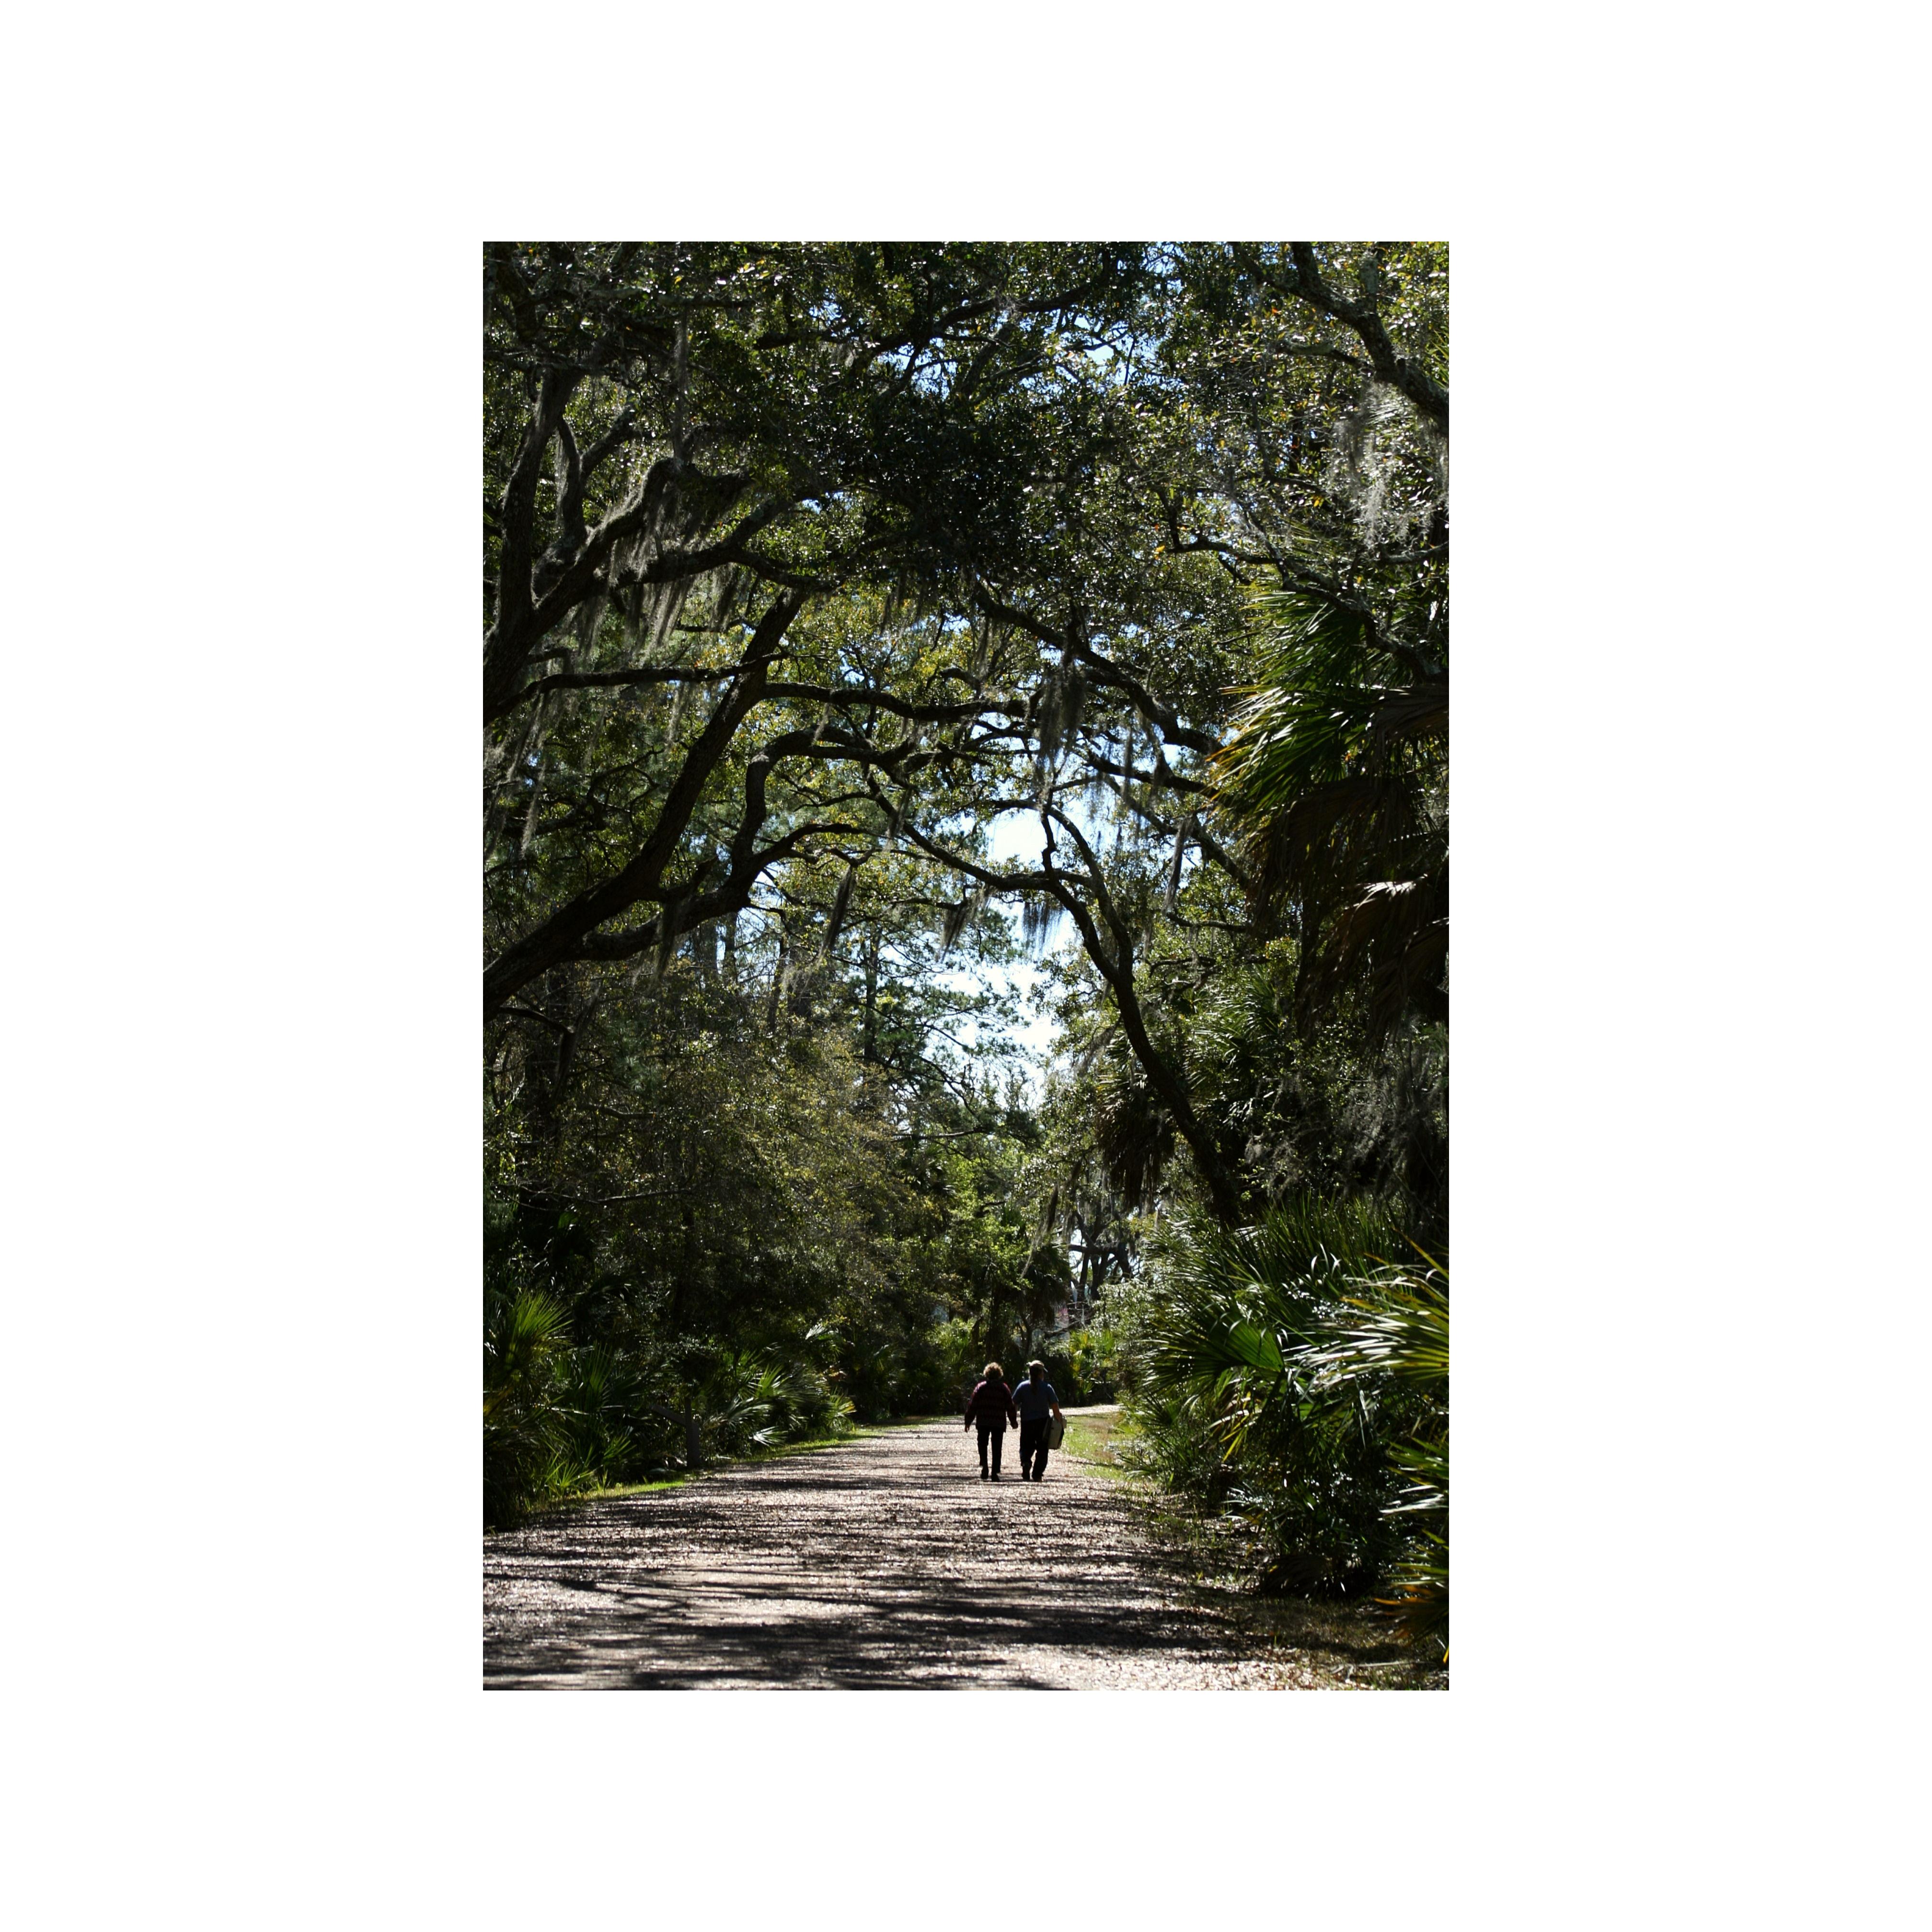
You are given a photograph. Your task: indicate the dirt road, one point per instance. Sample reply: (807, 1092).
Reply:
(887, 1564)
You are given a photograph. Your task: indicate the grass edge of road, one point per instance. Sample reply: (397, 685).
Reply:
(865, 1431)
(1089, 1441)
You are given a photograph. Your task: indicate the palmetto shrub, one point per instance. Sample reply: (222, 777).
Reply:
(1173, 1442)
(807, 1406)
(1296, 1373)
(599, 1405)
(528, 1452)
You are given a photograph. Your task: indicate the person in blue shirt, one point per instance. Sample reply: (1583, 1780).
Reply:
(1035, 1400)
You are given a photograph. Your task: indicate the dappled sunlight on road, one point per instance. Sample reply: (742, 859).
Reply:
(885, 1564)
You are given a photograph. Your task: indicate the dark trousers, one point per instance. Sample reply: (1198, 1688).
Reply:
(997, 1431)
(1033, 1446)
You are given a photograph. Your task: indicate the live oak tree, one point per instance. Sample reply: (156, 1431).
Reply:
(804, 554)
(690, 444)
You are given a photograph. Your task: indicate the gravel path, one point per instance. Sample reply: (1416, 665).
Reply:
(886, 1564)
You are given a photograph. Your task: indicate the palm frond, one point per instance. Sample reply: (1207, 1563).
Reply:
(1332, 774)
(1308, 1356)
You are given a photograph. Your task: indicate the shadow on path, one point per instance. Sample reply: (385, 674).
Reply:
(887, 1564)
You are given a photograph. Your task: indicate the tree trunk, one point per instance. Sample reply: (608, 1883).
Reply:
(559, 937)
(778, 984)
(870, 1055)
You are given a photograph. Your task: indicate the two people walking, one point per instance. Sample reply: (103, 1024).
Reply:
(992, 1405)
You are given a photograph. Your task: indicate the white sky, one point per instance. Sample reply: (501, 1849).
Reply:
(1016, 835)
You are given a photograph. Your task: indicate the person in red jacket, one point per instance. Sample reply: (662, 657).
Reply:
(990, 1406)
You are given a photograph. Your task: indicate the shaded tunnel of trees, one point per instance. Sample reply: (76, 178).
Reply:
(864, 621)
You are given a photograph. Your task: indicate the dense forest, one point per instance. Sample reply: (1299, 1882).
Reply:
(890, 644)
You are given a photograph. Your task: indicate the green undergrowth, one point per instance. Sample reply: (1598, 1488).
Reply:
(1346, 1643)
(1090, 1439)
